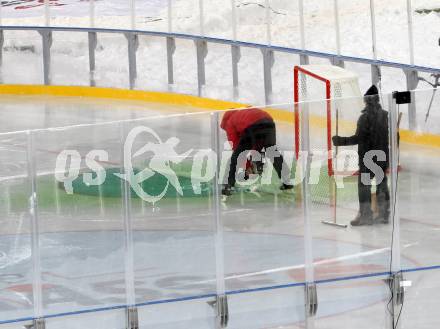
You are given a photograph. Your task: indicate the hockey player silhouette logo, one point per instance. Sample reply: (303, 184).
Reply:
(164, 155)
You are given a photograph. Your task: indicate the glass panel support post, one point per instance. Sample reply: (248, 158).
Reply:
(132, 318)
(311, 294)
(133, 45)
(396, 277)
(46, 36)
(268, 62)
(35, 233)
(171, 49)
(93, 42)
(305, 159)
(221, 302)
(236, 56)
(412, 81)
(127, 221)
(202, 52)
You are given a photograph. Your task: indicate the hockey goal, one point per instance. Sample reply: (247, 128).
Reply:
(328, 102)
(333, 100)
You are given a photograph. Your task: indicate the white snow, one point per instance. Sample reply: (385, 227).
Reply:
(70, 62)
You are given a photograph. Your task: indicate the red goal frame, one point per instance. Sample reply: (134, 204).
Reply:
(296, 71)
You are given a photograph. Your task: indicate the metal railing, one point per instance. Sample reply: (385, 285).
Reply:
(131, 13)
(202, 44)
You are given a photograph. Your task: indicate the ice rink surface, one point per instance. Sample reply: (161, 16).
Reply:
(82, 241)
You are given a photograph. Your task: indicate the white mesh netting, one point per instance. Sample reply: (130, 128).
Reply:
(337, 117)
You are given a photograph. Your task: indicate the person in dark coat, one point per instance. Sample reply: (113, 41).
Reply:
(250, 129)
(371, 135)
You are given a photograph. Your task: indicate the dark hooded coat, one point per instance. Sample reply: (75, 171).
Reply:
(372, 131)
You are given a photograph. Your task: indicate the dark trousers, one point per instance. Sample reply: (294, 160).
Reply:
(259, 136)
(383, 195)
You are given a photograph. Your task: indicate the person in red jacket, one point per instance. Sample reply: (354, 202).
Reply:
(250, 129)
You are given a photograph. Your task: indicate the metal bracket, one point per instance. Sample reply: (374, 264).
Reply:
(47, 44)
(132, 318)
(93, 43)
(133, 45)
(412, 79)
(396, 283)
(376, 75)
(268, 62)
(337, 62)
(304, 60)
(311, 294)
(221, 310)
(236, 56)
(202, 52)
(2, 40)
(171, 48)
(36, 324)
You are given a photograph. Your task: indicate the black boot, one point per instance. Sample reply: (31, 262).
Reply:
(362, 220)
(384, 213)
(383, 205)
(286, 187)
(227, 190)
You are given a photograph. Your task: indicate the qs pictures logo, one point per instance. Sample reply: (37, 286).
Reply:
(159, 158)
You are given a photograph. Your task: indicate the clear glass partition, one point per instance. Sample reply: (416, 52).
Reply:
(264, 233)
(69, 52)
(335, 177)
(81, 222)
(173, 222)
(326, 25)
(112, 61)
(22, 58)
(16, 251)
(424, 19)
(154, 15)
(319, 37)
(287, 18)
(23, 13)
(152, 53)
(112, 14)
(345, 198)
(218, 18)
(391, 27)
(129, 213)
(418, 205)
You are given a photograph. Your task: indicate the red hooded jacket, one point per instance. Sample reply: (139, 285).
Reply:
(237, 121)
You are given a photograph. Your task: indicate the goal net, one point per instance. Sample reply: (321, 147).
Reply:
(328, 102)
(333, 98)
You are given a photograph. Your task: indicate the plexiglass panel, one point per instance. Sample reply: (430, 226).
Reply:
(81, 219)
(392, 28)
(425, 22)
(417, 188)
(268, 309)
(419, 308)
(264, 234)
(319, 25)
(69, 59)
(361, 303)
(349, 185)
(112, 61)
(16, 252)
(173, 227)
(22, 58)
